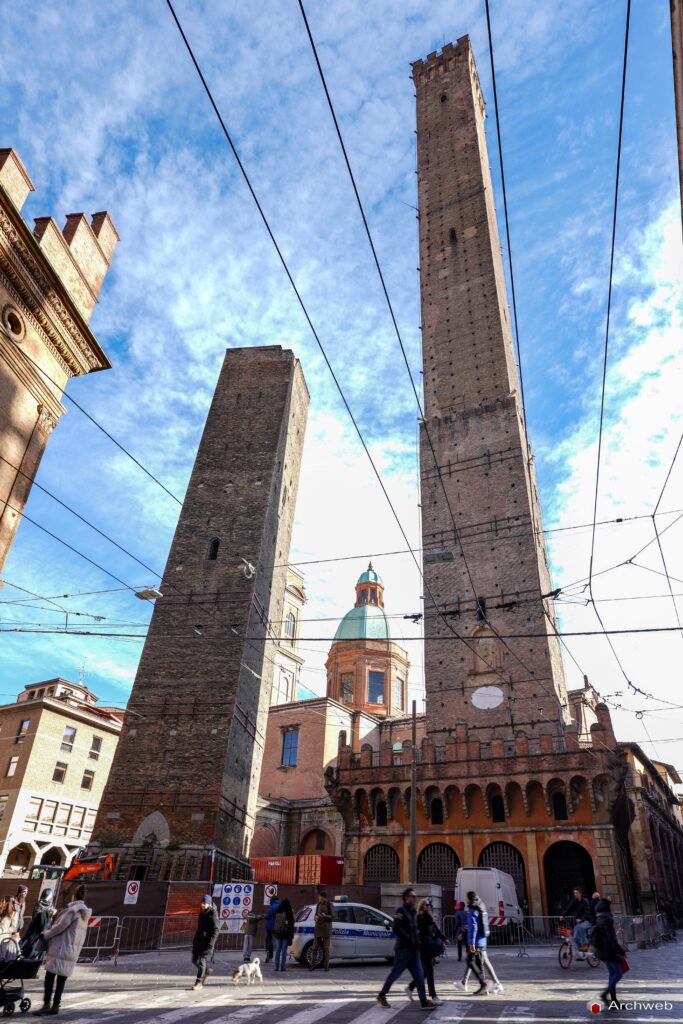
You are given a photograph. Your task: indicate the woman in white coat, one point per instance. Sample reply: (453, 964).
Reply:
(64, 943)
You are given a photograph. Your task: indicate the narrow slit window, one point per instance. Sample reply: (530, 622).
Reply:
(213, 549)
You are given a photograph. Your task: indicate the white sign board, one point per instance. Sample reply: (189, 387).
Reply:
(217, 891)
(237, 899)
(132, 892)
(269, 894)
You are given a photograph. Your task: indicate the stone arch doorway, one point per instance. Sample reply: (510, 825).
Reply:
(381, 864)
(52, 856)
(506, 857)
(566, 865)
(438, 863)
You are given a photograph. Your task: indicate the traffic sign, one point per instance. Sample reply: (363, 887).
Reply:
(269, 894)
(132, 892)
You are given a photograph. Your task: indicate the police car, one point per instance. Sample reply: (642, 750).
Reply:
(358, 932)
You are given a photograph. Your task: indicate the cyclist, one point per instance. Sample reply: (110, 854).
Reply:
(581, 911)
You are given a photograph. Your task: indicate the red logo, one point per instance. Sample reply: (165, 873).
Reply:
(595, 1007)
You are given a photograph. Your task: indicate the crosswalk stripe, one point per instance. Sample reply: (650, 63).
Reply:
(452, 1010)
(378, 1014)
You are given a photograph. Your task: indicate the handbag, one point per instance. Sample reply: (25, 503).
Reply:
(435, 948)
(623, 963)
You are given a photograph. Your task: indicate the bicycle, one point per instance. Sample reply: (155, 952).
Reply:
(565, 953)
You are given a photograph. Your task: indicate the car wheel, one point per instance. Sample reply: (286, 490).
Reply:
(306, 956)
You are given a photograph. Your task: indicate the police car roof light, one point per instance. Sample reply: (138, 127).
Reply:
(341, 899)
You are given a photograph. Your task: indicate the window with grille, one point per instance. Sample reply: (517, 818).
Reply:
(347, 687)
(290, 748)
(506, 857)
(381, 864)
(375, 687)
(438, 863)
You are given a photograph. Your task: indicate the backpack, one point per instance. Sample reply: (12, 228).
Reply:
(483, 930)
(280, 926)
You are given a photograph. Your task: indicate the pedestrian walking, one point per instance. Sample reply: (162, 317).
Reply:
(41, 919)
(283, 930)
(270, 918)
(64, 943)
(323, 931)
(478, 962)
(604, 940)
(432, 945)
(249, 926)
(204, 940)
(406, 951)
(460, 926)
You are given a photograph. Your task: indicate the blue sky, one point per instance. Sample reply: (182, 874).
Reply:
(106, 111)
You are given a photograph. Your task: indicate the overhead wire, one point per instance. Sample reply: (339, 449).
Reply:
(425, 426)
(658, 538)
(303, 306)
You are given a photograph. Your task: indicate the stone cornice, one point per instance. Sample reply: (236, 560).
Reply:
(38, 290)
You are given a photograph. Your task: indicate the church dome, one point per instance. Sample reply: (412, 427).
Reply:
(369, 576)
(367, 622)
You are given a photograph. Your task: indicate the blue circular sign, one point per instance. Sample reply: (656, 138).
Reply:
(226, 901)
(238, 888)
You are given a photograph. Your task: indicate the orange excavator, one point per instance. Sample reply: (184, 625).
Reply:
(95, 869)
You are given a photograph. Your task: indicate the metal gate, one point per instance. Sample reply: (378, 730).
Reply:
(506, 858)
(381, 864)
(438, 863)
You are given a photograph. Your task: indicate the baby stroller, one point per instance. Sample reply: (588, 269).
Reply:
(14, 971)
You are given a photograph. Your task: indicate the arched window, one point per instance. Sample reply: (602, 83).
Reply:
(437, 811)
(437, 863)
(381, 813)
(213, 549)
(381, 864)
(497, 808)
(560, 807)
(397, 753)
(290, 625)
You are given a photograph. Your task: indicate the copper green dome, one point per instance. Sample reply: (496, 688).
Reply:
(369, 576)
(367, 622)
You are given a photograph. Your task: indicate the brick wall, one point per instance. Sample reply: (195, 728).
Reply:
(192, 742)
(474, 423)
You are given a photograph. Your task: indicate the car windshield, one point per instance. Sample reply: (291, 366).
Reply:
(302, 914)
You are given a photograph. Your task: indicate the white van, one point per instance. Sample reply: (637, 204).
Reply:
(496, 890)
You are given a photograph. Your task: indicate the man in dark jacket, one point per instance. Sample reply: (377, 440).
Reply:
(581, 911)
(41, 920)
(406, 951)
(323, 930)
(270, 924)
(460, 926)
(204, 940)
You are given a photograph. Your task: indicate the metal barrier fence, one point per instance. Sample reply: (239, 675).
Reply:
(643, 931)
(176, 931)
(101, 939)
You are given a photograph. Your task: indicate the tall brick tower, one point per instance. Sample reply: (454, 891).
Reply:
(49, 283)
(181, 796)
(485, 559)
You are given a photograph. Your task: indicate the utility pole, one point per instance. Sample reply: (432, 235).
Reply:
(413, 801)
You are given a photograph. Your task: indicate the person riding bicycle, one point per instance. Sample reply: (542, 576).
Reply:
(580, 909)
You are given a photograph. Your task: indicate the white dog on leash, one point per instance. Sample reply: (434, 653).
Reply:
(250, 971)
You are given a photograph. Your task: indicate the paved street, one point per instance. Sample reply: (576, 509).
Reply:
(155, 987)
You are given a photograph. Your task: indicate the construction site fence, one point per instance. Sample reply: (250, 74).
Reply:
(636, 932)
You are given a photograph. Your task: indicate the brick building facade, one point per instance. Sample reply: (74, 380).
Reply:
(181, 796)
(49, 283)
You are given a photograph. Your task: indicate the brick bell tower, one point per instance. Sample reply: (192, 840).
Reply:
(181, 796)
(485, 558)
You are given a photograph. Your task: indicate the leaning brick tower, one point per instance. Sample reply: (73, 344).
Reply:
(181, 796)
(485, 560)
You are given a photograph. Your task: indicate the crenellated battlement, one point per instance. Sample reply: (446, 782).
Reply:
(441, 61)
(80, 253)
